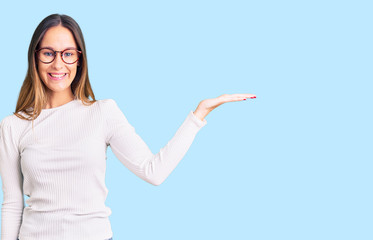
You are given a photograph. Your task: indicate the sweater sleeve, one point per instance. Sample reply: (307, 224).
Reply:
(133, 152)
(12, 182)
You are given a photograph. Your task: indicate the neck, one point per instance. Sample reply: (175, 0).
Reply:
(56, 100)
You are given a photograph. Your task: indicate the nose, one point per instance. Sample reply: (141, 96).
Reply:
(58, 63)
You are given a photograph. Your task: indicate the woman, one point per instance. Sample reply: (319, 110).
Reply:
(53, 148)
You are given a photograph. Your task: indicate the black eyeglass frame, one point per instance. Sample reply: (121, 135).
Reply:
(55, 53)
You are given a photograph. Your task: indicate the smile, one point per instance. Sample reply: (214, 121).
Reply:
(57, 76)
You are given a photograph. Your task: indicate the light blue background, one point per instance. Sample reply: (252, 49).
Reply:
(295, 163)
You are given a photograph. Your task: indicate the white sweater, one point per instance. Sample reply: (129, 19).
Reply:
(61, 164)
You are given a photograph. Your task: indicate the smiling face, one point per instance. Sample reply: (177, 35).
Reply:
(57, 75)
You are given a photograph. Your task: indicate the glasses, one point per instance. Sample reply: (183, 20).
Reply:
(68, 56)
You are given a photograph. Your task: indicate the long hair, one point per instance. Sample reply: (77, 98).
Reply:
(32, 96)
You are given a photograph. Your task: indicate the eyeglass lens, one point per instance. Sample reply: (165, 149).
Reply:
(68, 56)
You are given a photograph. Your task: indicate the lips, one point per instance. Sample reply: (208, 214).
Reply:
(57, 76)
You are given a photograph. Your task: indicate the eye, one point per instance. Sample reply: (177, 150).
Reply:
(48, 54)
(69, 53)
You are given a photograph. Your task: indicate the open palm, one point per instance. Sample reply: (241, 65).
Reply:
(207, 105)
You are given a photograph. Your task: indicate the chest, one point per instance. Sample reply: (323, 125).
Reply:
(63, 147)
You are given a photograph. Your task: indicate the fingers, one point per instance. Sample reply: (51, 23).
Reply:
(245, 96)
(236, 97)
(239, 97)
(249, 95)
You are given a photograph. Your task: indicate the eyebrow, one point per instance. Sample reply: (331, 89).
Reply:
(63, 49)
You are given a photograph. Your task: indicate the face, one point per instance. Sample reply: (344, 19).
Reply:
(57, 75)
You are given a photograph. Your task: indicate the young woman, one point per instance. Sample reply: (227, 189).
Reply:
(53, 148)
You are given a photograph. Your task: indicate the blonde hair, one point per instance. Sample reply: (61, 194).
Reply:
(32, 96)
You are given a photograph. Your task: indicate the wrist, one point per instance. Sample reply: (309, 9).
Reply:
(201, 112)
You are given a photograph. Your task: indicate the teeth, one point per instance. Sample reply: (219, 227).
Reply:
(58, 76)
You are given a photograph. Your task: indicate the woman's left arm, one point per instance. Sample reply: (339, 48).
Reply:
(133, 152)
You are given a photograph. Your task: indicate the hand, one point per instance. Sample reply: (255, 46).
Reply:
(207, 105)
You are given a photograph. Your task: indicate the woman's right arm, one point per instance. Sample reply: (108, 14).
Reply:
(12, 182)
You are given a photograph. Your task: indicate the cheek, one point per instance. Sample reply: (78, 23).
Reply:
(42, 72)
(73, 71)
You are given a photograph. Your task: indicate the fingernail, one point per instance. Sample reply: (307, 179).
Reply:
(245, 99)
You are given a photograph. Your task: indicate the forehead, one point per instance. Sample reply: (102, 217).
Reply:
(58, 38)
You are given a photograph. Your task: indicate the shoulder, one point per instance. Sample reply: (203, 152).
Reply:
(107, 101)
(10, 120)
(14, 124)
(11, 126)
(107, 104)
(4, 122)
(110, 110)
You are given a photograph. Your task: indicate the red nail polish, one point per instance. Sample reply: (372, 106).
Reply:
(245, 99)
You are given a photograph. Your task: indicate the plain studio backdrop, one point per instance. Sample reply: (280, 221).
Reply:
(294, 163)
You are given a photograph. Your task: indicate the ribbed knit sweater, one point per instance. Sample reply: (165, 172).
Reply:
(61, 163)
